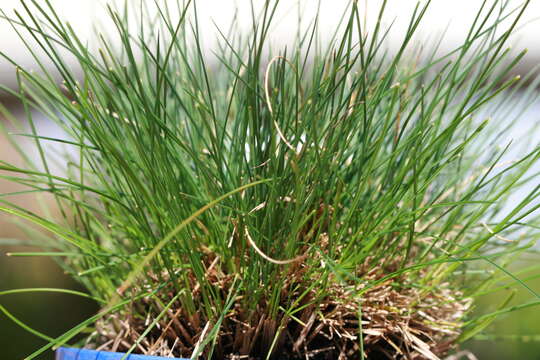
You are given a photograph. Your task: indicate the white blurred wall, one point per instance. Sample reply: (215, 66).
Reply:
(456, 14)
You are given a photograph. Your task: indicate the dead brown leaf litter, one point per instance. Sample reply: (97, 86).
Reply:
(398, 321)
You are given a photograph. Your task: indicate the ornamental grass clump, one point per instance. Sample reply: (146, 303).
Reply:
(328, 200)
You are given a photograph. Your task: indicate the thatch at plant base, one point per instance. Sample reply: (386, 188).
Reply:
(399, 321)
(282, 201)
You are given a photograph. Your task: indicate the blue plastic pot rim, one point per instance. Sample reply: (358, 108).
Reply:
(83, 354)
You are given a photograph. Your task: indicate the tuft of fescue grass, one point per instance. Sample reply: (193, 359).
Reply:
(325, 201)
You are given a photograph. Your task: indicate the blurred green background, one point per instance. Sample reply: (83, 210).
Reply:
(515, 335)
(51, 314)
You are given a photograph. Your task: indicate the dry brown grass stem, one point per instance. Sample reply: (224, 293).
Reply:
(266, 257)
(269, 102)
